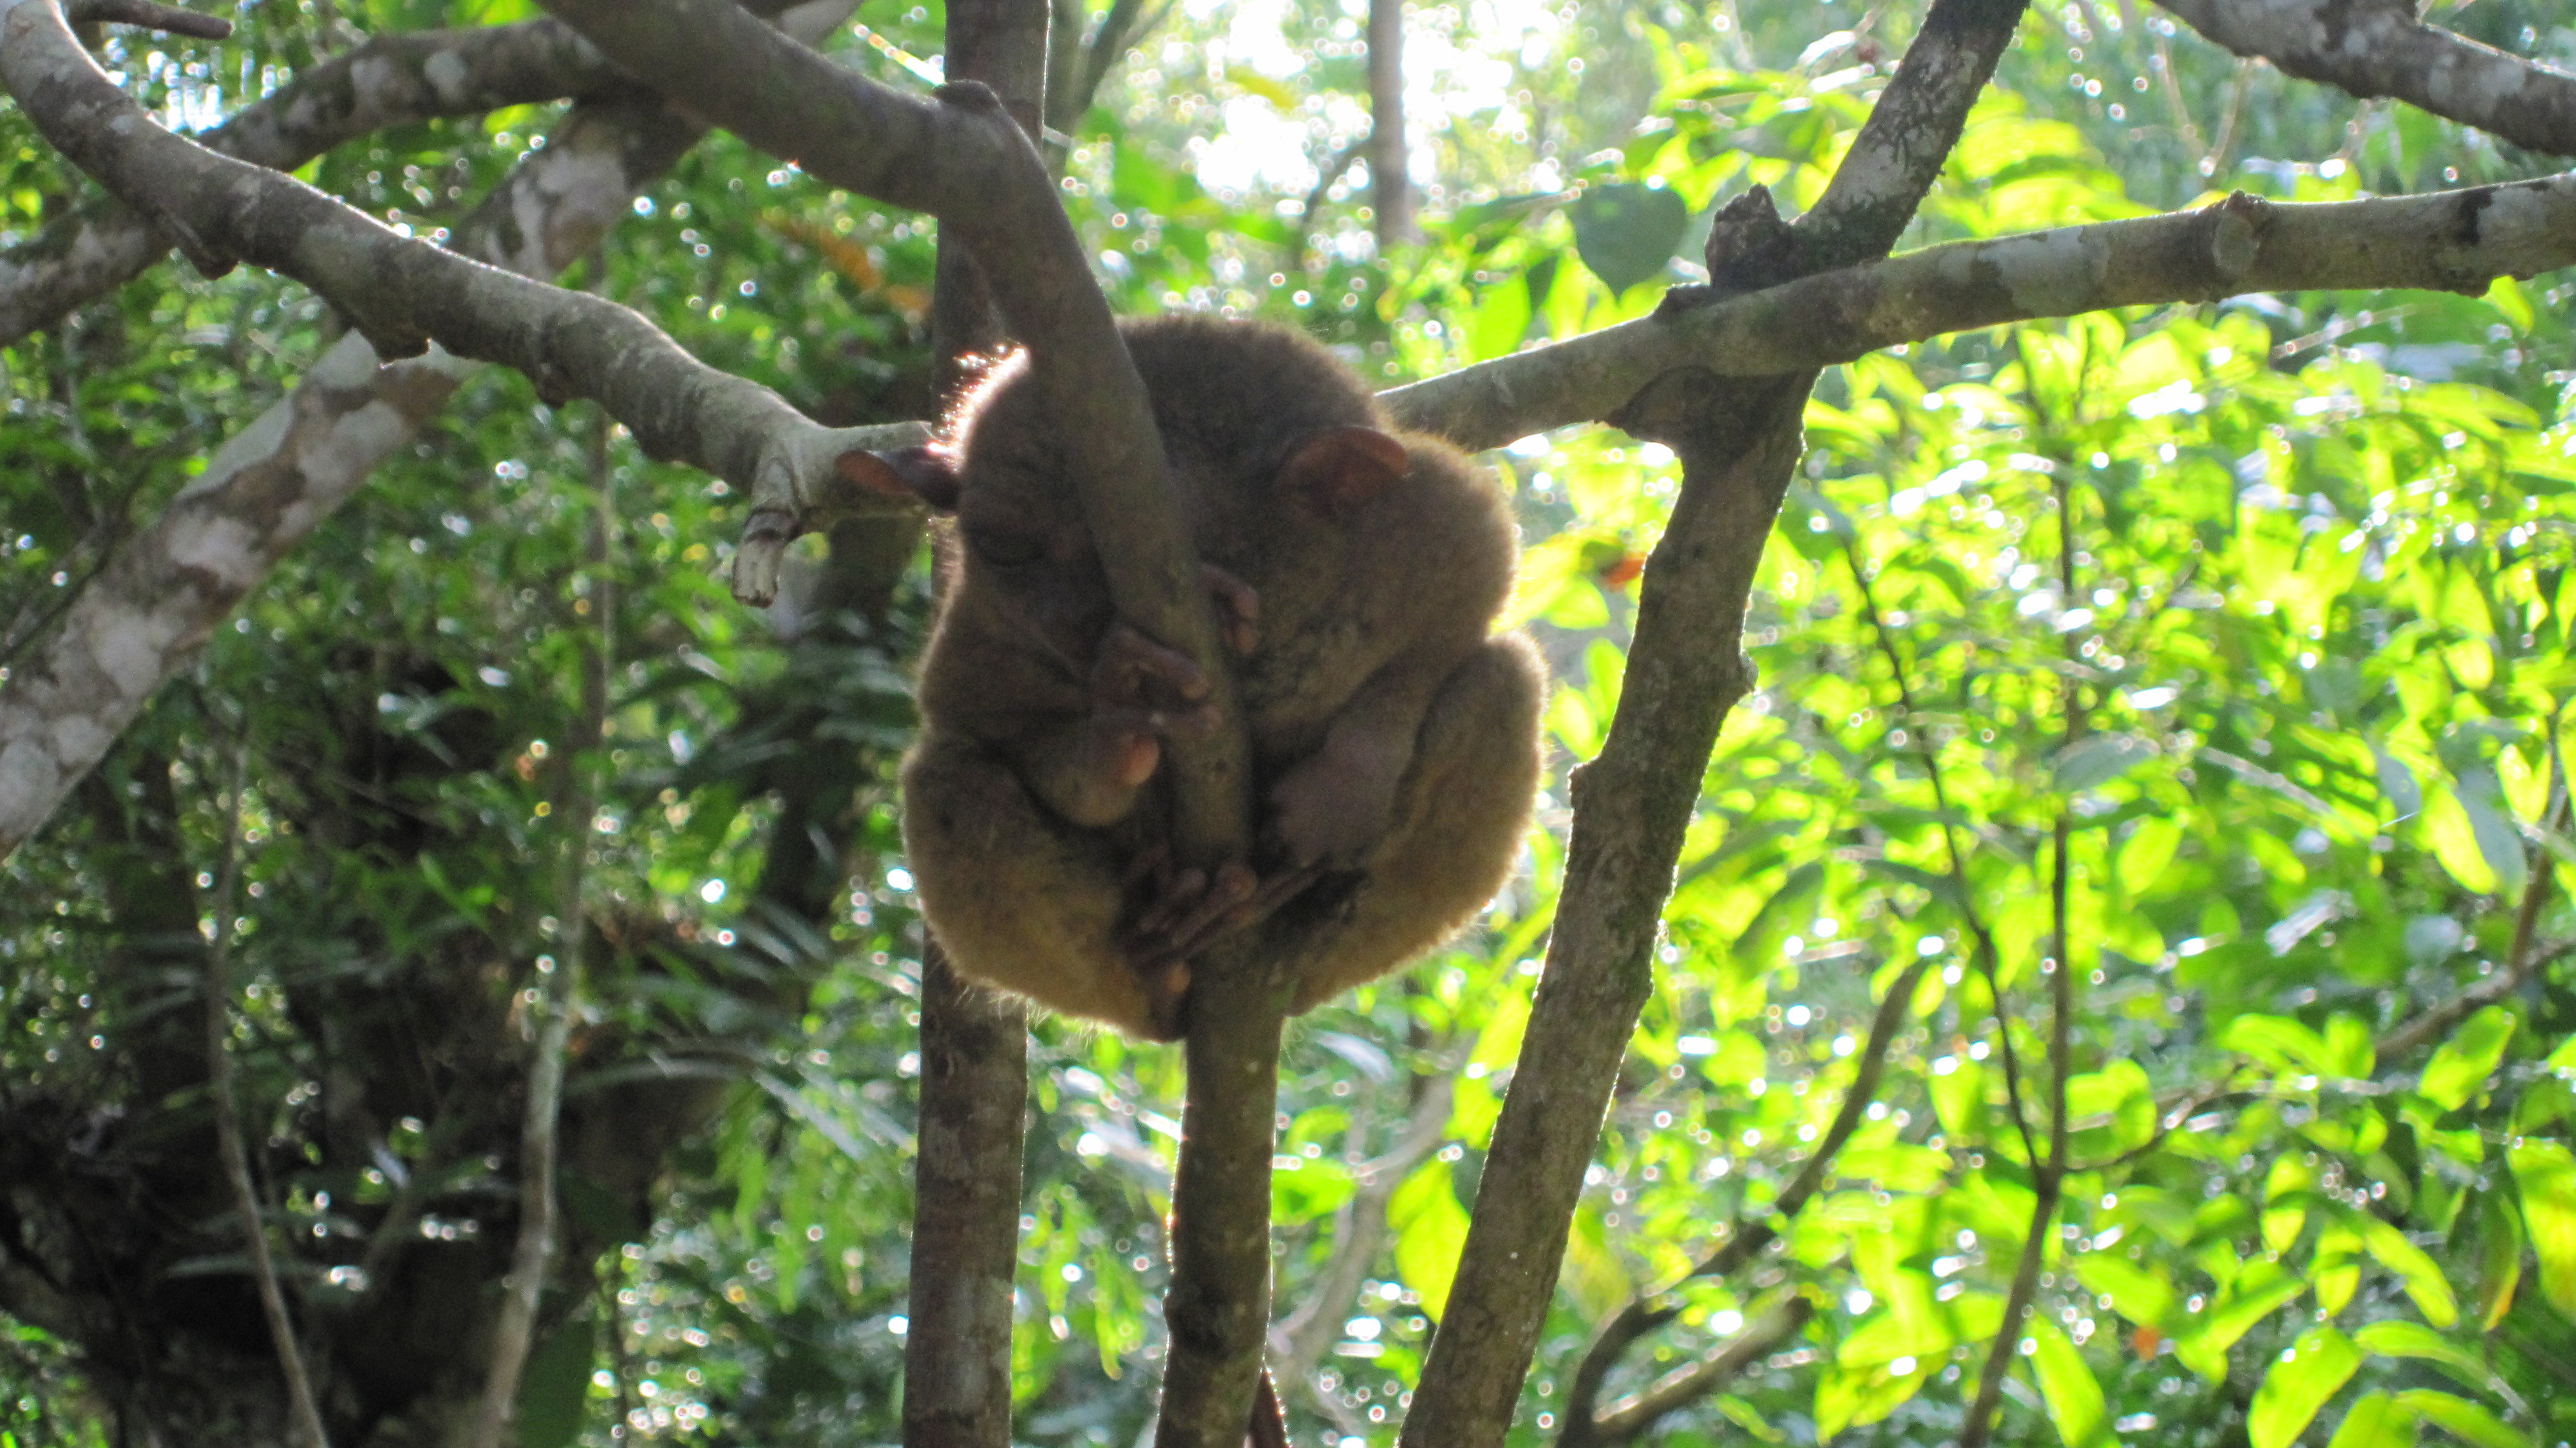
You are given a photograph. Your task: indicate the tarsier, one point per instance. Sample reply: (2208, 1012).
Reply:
(1356, 572)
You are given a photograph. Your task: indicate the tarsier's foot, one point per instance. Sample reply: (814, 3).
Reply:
(1192, 910)
(1334, 807)
(1186, 909)
(1238, 608)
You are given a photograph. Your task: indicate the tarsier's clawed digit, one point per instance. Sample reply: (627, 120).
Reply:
(1354, 574)
(1238, 608)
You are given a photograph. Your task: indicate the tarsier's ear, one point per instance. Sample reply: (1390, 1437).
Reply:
(1342, 469)
(927, 473)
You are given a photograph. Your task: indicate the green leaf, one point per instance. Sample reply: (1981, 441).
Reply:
(1501, 320)
(2399, 1338)
(2136, 1294)
(2461, 1419)
(2498, 841)
(2375, 1421)
(554, 1394)
(2506, 296)
(1626, 232)
(1430, 1230)
(2545, 1174)
(2098, 759)
(2424, 1280)
(2499, 1258)
(2455, 843)
(2067, 1385)
(2298, 1385)
(2205, 1351)
(2279, 1042)
(2459, 1070)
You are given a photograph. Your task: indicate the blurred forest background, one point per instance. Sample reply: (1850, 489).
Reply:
(2218, 654)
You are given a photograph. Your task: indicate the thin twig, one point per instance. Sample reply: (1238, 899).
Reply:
(1748, 1235)
(1983, 954)
(1359, 1230)
(228, 1132)
(2216, 161)
(1327, 176)
(1630, 1417)
(2048, 1178)
(559, 997)
(143, 13)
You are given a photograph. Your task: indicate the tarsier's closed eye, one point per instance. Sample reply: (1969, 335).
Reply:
(1005, 547)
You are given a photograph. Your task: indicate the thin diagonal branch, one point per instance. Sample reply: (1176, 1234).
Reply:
(1738, 444)
(1751, 1233)
(301, 1405)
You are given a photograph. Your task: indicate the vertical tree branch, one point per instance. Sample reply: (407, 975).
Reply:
(974, 1043)
(1390, 172)
(301, 1405)
(965, 1213)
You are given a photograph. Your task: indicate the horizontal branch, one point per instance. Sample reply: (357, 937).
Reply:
(391, 80)
(400, 292)
(151, 16)
(2455, 241)
(2374, 48)
(78, 683)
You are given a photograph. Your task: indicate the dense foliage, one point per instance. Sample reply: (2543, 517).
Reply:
(2210, 663)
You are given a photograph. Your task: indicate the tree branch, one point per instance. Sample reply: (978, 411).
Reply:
(1302, 1338)
(1749, 1234)
(149, 16)
(391, 80)
(1628, 1419)
(974, 1042)
(1686, 670)
(2374, 48)
(2455, 241)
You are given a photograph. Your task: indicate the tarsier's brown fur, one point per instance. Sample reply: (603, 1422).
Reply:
(1358, 572)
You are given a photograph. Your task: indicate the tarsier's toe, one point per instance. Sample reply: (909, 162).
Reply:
(1167, 996)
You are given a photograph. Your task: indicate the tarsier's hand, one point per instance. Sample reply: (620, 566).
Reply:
(1141, 694)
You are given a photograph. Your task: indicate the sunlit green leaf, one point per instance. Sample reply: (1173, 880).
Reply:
(2374, 1421)
(2545, 1172)
(2462, 1419)
(2461, 1066)
(2295, 1387)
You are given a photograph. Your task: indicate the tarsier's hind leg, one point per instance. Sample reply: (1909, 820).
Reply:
(1023, 901)
(1459, 818)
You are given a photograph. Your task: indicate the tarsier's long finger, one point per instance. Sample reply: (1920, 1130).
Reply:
(1202, 921)
(1128, 661)
(1238, 608)
(1174, 895)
